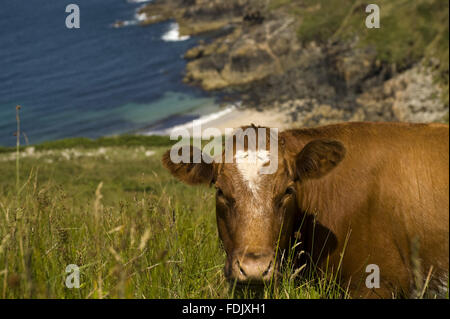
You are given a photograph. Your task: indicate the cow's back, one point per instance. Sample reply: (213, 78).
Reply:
(386, 203)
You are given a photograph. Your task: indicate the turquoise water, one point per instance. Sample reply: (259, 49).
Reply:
(93, 81)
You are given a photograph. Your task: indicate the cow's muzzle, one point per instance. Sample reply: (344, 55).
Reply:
(253, 268)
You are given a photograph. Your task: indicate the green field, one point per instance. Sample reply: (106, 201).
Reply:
(134, 231)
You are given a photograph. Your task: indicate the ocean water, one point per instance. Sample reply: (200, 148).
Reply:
(94, 81)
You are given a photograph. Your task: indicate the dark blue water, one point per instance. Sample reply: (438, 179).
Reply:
(93, 81)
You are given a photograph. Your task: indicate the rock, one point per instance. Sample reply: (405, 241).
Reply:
(415, 97)
(119, 24)
(195, 16)
(158, 12)
(246, 55)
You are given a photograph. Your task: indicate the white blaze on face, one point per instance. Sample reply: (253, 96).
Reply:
(249, 164)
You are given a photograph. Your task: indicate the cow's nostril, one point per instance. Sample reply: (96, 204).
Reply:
(241, 270)
(267, 271)
(255, 270)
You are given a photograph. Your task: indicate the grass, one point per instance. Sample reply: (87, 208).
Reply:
(134, 231)
(86, 143)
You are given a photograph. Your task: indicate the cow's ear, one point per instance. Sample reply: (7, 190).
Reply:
(191, 173)
(318, 158)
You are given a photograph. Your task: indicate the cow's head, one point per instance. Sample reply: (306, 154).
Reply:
(256, 212)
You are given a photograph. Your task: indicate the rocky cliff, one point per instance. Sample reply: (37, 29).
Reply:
(256, 52)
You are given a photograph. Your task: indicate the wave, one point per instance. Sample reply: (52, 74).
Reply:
(138, 1)
(121, 24)
(138, 17)
(173, 35)
(202, 120)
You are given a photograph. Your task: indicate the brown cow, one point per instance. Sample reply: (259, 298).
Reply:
(354, 194)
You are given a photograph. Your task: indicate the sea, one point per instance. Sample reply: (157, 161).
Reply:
(97, 80)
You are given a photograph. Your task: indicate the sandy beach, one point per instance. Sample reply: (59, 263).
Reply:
(233, 118)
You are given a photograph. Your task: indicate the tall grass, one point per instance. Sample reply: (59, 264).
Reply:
(134, 231)
(126, 236)
(17, 150)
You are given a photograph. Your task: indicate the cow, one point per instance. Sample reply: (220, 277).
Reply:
(360, 199)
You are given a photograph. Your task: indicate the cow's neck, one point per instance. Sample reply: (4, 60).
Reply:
(318, 197)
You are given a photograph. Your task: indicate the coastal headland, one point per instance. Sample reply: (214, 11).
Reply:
(277, 58)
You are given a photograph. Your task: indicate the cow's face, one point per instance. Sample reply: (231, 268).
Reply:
(256, 212)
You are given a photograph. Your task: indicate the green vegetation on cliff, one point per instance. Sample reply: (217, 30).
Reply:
(409, 30)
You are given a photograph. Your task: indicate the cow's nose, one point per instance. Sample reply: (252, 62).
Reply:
(251, 267)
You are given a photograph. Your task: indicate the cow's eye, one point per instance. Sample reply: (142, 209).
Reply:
(224, 198)
(282, 199)
(289, 191)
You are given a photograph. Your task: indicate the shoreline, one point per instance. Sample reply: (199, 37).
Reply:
(229, 117)
(238, 118)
